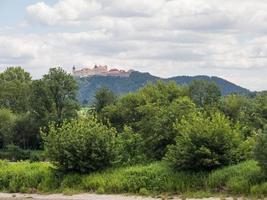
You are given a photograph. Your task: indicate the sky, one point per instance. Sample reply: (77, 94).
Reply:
(225, 38)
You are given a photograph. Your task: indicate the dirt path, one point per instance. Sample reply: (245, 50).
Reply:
(17, 196)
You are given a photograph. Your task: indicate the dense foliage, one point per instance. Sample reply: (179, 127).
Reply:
(27, 105)
(261, 150)
(204, 143)
(155, 178)
(192, 127)
(83, 145)
(130, 148)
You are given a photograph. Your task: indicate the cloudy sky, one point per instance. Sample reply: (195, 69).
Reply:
(226, 38)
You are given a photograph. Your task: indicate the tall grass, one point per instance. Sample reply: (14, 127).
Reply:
(237, 179)
(156, 178)
(27, 177)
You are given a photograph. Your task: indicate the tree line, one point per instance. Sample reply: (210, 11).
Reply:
(191, 127)
(27, 105)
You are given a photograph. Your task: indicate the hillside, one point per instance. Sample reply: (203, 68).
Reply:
(121, 85)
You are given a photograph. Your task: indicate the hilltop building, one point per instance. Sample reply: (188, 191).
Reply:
(99, 70)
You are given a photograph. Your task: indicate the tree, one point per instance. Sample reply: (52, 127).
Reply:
(261, 109)
(151, 112)
(128, 110)
(156, 126)
(15, 89)
(243, 110)
(54, 97)
(204, 93)
(232, 106)
(103, 97)
(124, 111)
(26, 132)
(83, 145)
(204, 143)
(7, 123)
(163, 93)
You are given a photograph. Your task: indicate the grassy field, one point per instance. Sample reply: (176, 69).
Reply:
(153, 179)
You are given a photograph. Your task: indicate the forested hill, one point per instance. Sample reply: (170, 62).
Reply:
(121, 85)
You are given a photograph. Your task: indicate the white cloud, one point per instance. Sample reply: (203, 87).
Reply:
(166, 37)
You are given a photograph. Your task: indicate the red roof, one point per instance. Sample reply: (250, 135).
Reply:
(114, 70)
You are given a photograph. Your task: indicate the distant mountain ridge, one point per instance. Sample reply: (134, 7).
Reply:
(122, 85)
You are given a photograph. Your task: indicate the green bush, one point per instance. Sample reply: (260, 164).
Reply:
(204, 143)
(14, 153)
(130, 148)
(82, 145)
(37, 156)
(260, 151)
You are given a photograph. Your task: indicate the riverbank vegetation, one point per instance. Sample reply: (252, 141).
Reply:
(163, 138)
(151, 179)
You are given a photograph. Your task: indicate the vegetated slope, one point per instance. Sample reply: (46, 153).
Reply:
(121, 85)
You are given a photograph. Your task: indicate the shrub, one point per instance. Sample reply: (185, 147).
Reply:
(204, 143)
(130, 148)
(14, 153)
(260, 151)
(37, 156)
(245, 150)
(82, 145)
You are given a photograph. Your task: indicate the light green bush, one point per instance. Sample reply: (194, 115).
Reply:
(84, 145)
(204, 143)
(130, 148)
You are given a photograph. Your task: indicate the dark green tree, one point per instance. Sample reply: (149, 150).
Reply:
(151, 112)
(204, 93)
(103, 97)
(54, 97)
(7, 124)
(15, 89)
